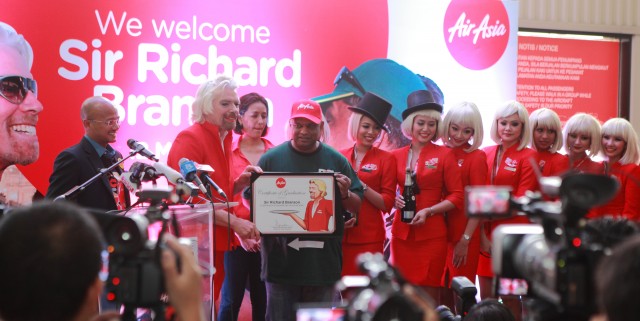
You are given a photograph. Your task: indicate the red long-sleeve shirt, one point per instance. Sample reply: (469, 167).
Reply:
(474, 171)
(201, 143)
(552, 164)
(377, 171)
(626, 203)
(438, 177)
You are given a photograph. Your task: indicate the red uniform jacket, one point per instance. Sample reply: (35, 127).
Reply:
(201, 143)
(319, 221)
(377, 170)
(438, 177)
(474, 171)
(587, 165)
(552, 164)
(514, 170)
(626, 203)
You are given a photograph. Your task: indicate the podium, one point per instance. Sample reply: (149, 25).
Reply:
(196, 225)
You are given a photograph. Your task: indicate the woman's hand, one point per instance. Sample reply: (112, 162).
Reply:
(485, 244)
(350, 223)
(399, 204)
(420, 217)
(343, 184)
(460, 253)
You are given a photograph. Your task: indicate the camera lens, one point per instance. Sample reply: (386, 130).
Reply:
(127, 235)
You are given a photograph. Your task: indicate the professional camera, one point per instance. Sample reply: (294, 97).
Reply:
(465, 292)
(135, 274)
(383, 294)
(551, 255)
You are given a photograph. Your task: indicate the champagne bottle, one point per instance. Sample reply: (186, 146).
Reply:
(409, 209)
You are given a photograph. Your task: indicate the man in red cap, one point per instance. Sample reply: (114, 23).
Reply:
(293, 272)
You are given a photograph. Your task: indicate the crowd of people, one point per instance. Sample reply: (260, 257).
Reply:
(443, 154)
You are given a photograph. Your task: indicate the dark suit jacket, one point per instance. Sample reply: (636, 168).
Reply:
(74, 166)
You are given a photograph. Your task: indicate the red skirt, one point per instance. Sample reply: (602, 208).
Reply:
(420, 262)
(350, 254)
(484, 263)
(469, 269)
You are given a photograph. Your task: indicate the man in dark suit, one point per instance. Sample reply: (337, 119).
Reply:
(80, 162)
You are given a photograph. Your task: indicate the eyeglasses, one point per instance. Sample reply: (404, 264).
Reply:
(14, 88)
(349, 77)
(109, 122)
(308, 126)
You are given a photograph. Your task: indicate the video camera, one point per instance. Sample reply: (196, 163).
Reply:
(551, 255)
(135, 275)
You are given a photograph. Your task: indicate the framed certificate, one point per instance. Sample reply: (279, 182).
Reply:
(294, 203)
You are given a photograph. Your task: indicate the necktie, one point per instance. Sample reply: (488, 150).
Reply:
(106, 159)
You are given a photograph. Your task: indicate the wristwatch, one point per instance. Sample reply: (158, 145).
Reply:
(364, 187)
(466, 237)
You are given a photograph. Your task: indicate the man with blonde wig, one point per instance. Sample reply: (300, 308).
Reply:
(19, 105)
(208, 141)
(319, 211)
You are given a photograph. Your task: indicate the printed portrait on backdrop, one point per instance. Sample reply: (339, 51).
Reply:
(19, 110)
(383, 77)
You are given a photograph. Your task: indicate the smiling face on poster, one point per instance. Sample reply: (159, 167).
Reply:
(149, 60)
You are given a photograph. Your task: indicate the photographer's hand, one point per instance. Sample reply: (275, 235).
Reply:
(184, 287)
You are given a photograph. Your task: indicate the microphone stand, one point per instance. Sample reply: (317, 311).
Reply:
(74, 191)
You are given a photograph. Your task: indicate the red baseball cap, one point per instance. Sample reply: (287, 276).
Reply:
(308, 109)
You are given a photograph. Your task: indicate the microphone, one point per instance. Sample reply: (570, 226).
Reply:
(171, 174)
(139, 148)
(136, 171)
(205, 177)
(129, 182)
(141, 172)
(189, 171)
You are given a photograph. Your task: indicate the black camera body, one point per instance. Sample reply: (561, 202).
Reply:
(135, 274)
(551, 255)
(382, 294)
(465, 292)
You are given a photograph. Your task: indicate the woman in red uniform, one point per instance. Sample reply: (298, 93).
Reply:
(419, 248)
(509, 164)
(546, 139)
(622, 154)
(463, 133)
(242, 264)
(581, 142)
(375, 169)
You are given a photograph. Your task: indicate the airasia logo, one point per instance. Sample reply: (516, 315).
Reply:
(476, 32)
(280, 182)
